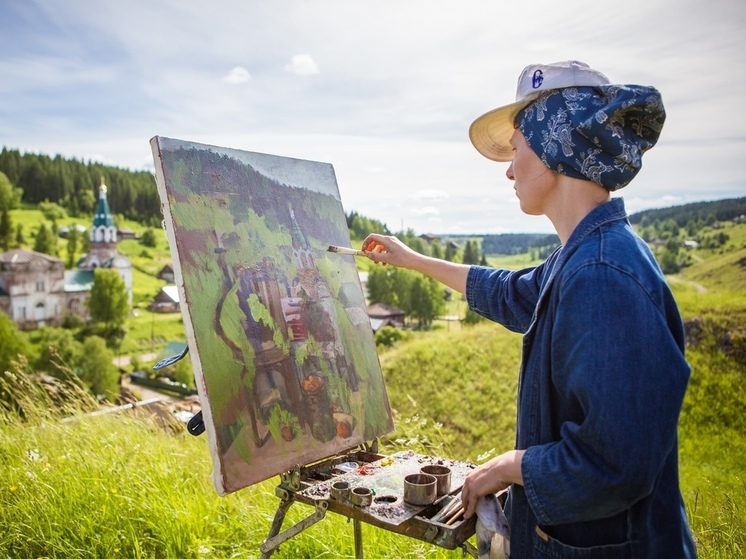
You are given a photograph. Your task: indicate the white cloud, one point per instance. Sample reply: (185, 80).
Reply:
(237, 75)
(434, 195)
(302, 65)
(427, 210)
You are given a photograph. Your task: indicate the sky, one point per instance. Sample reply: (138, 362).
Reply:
(384, 91)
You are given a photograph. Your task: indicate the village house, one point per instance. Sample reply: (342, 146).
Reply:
(35, 288)
(167, 300)
(385, 315)
(32, 290)
(429, 238)
(126, 234)
(167, 273)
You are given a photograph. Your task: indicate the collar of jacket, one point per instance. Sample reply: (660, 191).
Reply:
(613, 210)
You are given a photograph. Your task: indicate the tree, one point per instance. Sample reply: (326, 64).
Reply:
(45, 241)
(390, 286)
(20, 239)
(449, 253)
(72, 245)
(58, 348)
(148, 238)
(416, 244)
(13, 343)
(97, 369)
(51, 211)
(425, 300)
(379, 285)
(6, 230)
(10, 196)
(472, 317)
(668, 261)
(360, 226)
(108, 303)
(85, 200)
(471, 253)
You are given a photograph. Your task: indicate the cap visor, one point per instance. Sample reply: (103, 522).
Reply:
(491, 132)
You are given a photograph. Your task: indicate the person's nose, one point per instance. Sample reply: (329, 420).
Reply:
(509, 172)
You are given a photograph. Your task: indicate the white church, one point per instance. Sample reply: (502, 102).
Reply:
(35, 288)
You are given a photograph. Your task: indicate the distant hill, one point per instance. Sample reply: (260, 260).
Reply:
(518, 243)
(698, 213)
(718, 210)
(74, 184)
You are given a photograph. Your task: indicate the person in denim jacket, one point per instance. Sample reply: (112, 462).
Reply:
(594, 473)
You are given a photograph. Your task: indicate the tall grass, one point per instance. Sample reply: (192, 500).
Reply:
(128, 485)
(125, 485)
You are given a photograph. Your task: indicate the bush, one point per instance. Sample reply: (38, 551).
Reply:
(148, 238)
(473, 317)
(388, 336)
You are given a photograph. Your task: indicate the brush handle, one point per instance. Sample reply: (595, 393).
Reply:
(345, 250)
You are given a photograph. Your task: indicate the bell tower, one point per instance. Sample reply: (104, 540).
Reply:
(103, 236)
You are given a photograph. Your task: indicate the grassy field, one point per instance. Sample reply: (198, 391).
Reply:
(123, 486)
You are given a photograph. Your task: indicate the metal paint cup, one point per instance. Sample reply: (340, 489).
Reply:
(361, 496)
(340, 491)
(420, 489)
(442, 474)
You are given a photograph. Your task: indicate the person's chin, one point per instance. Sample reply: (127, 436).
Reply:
(528, 210)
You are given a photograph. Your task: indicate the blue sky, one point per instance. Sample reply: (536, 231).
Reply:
(383, 90)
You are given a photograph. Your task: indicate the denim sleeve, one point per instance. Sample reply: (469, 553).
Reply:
(620, 378)
(506, 297)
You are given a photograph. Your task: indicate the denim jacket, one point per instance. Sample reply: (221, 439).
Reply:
(602, 381)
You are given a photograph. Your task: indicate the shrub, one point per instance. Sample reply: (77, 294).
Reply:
(388, 336)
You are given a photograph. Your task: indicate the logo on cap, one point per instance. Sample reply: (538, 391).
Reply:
(538, 79)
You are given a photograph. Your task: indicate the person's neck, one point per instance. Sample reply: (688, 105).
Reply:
(573, 200)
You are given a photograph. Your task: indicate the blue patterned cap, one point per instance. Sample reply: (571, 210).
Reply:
(594, 133)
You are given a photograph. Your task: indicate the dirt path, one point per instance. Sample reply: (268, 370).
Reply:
(124, 360)
(147, 393)
(698, 286)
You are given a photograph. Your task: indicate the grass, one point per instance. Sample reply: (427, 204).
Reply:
(123, 486)
(464, 381)
(149, 332)
(106, 495)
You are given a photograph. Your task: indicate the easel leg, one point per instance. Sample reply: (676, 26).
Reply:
(358, 531)
(282, 510)
(276, 537)
(469, 549)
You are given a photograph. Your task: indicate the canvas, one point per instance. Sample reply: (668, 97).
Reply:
(282, 347)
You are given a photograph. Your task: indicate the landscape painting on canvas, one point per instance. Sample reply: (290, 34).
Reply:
(281, 343)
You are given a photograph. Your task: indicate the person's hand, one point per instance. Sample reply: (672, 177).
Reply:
(491, 477)
(384, 249)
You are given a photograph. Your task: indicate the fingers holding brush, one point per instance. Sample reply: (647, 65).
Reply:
(384, 249)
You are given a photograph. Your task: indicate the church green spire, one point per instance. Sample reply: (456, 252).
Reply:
(102, 217)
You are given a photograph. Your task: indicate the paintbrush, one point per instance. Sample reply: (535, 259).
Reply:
(345, 250)
(455, 516)
(447, 510)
